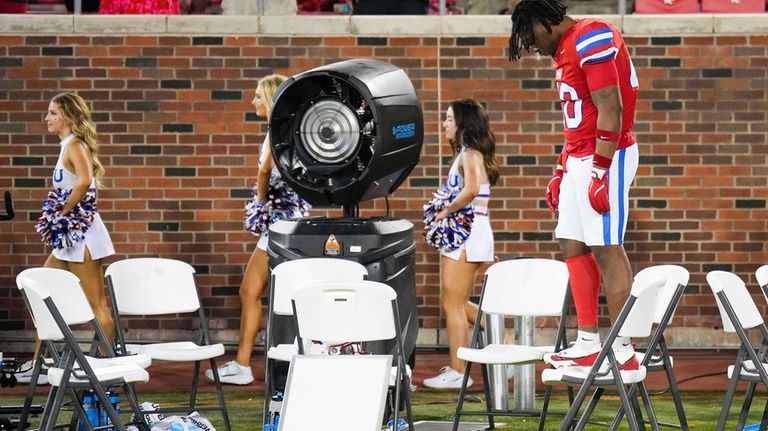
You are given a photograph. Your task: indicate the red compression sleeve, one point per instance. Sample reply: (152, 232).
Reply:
(585, 287)
(601, 75)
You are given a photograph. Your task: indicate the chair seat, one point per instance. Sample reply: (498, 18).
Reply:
(140, 360)
(576, 376)
(656, 363)
(128, 373)
(283, 352)
(501, 354)
(745, 374)
(393, 374)
(545, 349)
(177, 351)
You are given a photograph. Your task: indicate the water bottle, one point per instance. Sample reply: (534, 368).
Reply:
(273, 414)
(91, 410)
(114, 400)
(401, 424)
(103, 417)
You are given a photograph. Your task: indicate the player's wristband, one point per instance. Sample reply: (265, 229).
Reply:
(607, 135)
(601, 161)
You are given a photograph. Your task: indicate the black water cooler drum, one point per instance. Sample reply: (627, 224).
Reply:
(386, 248)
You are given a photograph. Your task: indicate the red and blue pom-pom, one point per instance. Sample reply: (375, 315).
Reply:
(449, 233)
(282, 203)
(64, 231)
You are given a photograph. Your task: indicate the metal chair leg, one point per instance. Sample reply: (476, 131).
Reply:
(590, 408)
(487, 385)
(676, 398)
(267, 388)
(220, 394)
(195, 381)
(545, 407)
(748, 396)
(576, 404)
(462, 394)
(629, 410)
(646, 397)
(764, 420)
(728, 399)
(130, 395)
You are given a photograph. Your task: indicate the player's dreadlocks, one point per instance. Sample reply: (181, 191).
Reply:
(527, 13)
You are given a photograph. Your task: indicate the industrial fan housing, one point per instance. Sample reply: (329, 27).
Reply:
(346, 132)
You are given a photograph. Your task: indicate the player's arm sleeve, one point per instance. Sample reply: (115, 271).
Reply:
(596, 52)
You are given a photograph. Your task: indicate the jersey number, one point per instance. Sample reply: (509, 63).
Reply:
(571, 104)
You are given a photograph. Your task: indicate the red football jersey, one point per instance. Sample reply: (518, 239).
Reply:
(592, 41)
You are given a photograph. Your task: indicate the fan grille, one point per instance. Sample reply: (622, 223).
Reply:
(330, 131)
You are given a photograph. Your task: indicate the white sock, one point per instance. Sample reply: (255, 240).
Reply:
(621, 343)
(587, 339)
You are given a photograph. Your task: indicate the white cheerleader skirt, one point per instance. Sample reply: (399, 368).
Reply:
(96, 239)
(479, 245)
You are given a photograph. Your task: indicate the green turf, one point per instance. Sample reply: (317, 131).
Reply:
(702, 409)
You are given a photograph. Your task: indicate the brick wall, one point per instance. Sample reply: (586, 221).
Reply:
(180, 141)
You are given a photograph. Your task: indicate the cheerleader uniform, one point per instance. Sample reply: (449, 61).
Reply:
(274, 177)
(479, 244)
(96, 237)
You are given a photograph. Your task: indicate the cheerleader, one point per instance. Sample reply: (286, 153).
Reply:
(76, 176)
(273, 200)
(473, 172)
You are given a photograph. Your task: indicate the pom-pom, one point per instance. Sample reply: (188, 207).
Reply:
(449, 233)
(63, 231)
(282, 203)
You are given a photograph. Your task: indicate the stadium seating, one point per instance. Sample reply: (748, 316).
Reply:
(696, 6)
(732, 6)
(666, 6)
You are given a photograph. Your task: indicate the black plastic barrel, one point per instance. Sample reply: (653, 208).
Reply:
(386, 248)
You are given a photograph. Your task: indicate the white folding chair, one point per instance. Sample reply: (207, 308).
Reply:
(524, 287)
(740, 315)
(56, 301)
(635, 320)
(337, 312)
(285, 278)
(156, 286)
(656, 357)
(762, 279)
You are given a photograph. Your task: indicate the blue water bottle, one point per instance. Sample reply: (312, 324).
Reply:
(103, 417)
(401, 424)
(91, 410)
(273, 414)
(114, 400)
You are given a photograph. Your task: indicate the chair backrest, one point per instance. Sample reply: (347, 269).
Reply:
(762, 279)
(151, 286)
(64, 289)
(525, 287)
(734, 289)
(345, 311)
(676, 277)
(288, 275)
(639, 321)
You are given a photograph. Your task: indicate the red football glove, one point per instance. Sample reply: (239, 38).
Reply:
(552, 195)
(598, 191)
